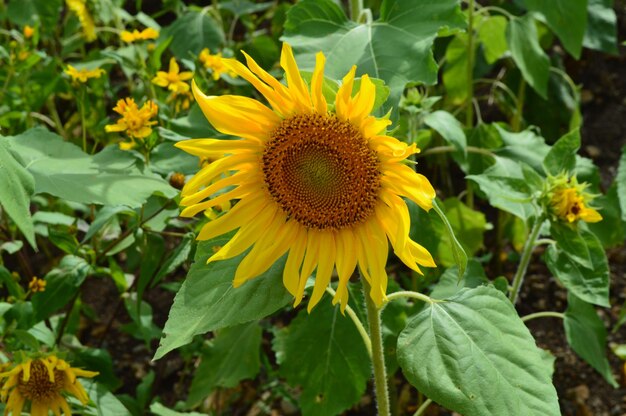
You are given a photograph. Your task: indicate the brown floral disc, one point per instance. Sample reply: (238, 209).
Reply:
(321, 171)
(39, 387)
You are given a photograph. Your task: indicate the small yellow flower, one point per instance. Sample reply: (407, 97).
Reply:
(215, 64)
(181, 101)
(135, 35)
(174, 80)
(135, 121)
(28, 32)
(568, 201)
(42, 382)
(23, 55)
(37, 285)
(83, 75)
(79, 7)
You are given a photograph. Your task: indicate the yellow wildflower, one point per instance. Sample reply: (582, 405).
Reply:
(42, 382)
(135, 121)
(37, 285)
(28, 32)
(568, 201)
(174, 80)
(182, 101)
(79, 7)
(83, 75)
(216, 64)
(130, 37)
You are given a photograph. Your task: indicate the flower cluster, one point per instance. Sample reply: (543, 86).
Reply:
(37, 285)
(215, 63)
(135, 35)
(135, 121)
(42, 382)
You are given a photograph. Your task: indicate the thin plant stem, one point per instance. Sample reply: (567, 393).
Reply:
(356, 8)
(82, 117)
(409, 294)
(378, 359)
(357, 322)
(423, 408)
(469, 115)
(516, 122)
(545, 314)
(526, 255)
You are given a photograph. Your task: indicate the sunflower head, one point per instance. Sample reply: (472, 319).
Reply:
(43, 383)
(320, 182)
(568, 200)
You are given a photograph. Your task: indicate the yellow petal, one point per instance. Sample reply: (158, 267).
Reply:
(590, 215)
(208, 173)
(344, 95)
(317, 82)
(237, 115)
(240, 178)
(296, 84)
(215, 148)
(324, 268)
(363, 102)
(242, 212)
(291, 273)
(237, 193)
(346, 263)
(309, 263)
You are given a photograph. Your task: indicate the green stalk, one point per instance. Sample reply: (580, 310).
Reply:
(526, 255)
(378, 359)
(82, 117)
(469, 115)
(356, 8)
(545, 314)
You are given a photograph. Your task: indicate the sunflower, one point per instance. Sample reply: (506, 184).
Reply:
(569, 201)
(318, 181)
(42, 382)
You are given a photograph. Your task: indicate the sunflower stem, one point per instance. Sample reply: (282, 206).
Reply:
(378, 359)
(544, 314)
(356, 8)
(526, 255)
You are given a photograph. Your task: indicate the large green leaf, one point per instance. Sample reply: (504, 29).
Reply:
(468, 227)
(507, 188)
(324, 353)
(586, 335)
(472, 354)
(407, 26)
(601, 31)
(492, 35)
(62, 169)
(454, 74)
(566, 18)
(208, 301)
(16, 187)
(62, 283)
(234, 355)
(193, 32)
(527, 53)
(448, 127)
(579, 262)
(562, 156)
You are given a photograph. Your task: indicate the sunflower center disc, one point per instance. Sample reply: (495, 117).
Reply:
(39, 387)
(321, 171)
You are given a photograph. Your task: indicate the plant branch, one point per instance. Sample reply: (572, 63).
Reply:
(357, 322)
(526, 255)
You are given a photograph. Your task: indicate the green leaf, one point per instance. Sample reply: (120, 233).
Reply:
(492, 34)
(591, 283)
(174, 260)
(525, 146)
(621, 183)
(62, 283)
(193, 32)
(449, 127)
(612, 229)
(449, 283)
(569, 239)
(562, 156)
(507, 188)
(458, 253)
(601, 33)
(469, 227)
(324, 353)
(527, 53)
(472, 354)
(207, 300)
(234, 355)
(16, 187)
(159, 410)
(566, 18)
(11, 284)
(586, 335)
(410, 27)
(108, 178)
(104, 402)
(142, 326)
